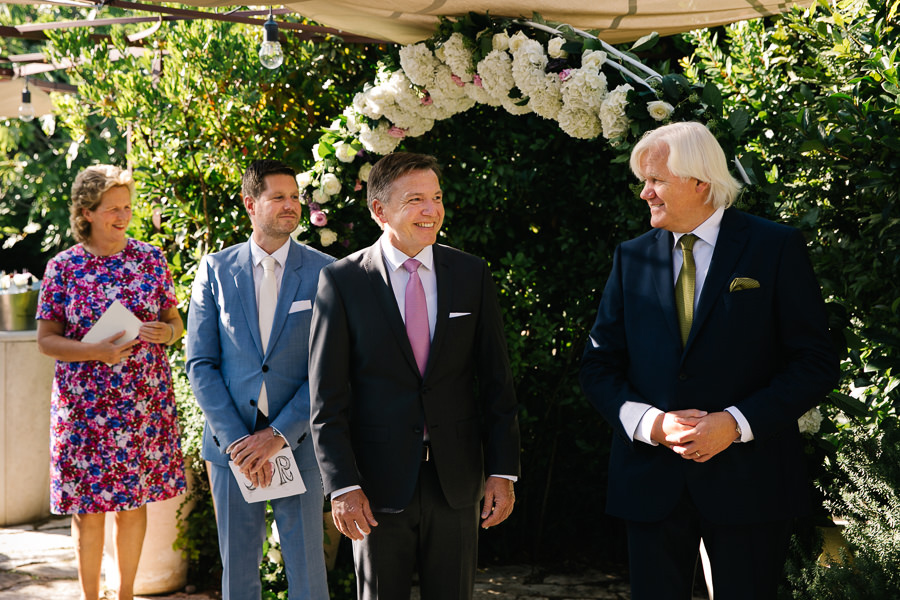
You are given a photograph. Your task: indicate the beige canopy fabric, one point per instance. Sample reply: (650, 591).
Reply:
(616, 21)
(11, 99)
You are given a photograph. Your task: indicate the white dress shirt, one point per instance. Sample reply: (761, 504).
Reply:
(637, 417)
(256, 256)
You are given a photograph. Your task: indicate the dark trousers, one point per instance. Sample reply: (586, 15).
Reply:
(429, 535)
(747, 560)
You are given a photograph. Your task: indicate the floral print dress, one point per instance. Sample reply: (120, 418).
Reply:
(114, 442)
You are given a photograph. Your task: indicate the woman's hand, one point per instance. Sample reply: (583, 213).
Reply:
(157, 332)
(108, 352)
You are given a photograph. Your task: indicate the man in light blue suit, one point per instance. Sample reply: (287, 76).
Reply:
(256, 397)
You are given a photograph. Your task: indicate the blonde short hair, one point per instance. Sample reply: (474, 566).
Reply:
(87, 193)
(694, 153)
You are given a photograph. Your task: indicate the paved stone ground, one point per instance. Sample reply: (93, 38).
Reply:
(37, 562)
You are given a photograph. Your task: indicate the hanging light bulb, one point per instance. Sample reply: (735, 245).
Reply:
(26, 110)
(270, 54)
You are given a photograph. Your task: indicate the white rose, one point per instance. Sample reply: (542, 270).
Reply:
(327, 237)
(517, 40)
(344, 152)
(659, 110)
(500, 41)
(364, 172)
(319, 196)
(315, 153)
(554, 48)
(330, 184)
(304, 179)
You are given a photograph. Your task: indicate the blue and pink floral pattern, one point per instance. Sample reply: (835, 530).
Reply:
(114, 441)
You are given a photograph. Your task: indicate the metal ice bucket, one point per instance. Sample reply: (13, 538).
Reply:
(17, 311)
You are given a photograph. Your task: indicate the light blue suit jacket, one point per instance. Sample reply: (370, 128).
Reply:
(226, 362)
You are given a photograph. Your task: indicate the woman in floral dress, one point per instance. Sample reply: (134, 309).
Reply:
(114, 434)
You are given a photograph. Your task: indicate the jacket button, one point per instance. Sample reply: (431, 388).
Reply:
(252, 402)
(265, 368)
(682, 376)
(417, 430)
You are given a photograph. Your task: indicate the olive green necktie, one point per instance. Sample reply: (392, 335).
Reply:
(684, 286)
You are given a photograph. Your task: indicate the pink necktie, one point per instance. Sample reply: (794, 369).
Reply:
(417, 315)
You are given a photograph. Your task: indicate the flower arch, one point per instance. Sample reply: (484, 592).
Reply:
(591, 89)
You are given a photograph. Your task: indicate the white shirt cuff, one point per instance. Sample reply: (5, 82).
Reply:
(743, 423)
(344, 490)
(234, 443)
(512, 478)
(637, 419)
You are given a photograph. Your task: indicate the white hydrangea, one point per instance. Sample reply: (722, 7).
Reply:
(660, 110)
(579, 123)
(304, 179)
(364, 105)
(481, 95)
(500, 41)
(457, 55)
(327, 237)
(344, 152)
(495, 71)
(584, 89)
(378, 140)
(612, 112)
(547, 100)
(330, 184)
(447, 97)
(810, 421)
(554, 48)
(352, 120)
(410, 120)
(419, 63)
(528, 67)
(513, 106)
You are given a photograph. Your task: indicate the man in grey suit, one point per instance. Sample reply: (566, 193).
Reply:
(412, 395)
(250, 379)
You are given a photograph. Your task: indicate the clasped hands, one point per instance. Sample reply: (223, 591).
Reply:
(153, 332)
(695, 434)
(353, 515)
(253, 453)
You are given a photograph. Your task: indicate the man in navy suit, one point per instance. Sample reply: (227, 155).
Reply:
(704, 395)
(255, 396)
(407, 420)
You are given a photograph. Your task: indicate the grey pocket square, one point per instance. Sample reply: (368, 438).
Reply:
(742, 283)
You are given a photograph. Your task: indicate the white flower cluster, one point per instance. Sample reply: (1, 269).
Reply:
(435, 85)
(810, 421)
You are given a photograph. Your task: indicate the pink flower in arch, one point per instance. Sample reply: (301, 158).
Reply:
(459, 82)
(426, 99)
(476, 79)
(318, 218)
(397, 132)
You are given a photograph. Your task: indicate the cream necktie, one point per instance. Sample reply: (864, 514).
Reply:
(268, 298)
(684, 286)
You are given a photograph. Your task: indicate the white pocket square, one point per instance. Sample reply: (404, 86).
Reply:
(454, 315)
(300, 305)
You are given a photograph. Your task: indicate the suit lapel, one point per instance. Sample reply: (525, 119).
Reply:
(660, 259)
(444, 292)
(290, 281)
(380, 281)
(733, 236)
(243, 282)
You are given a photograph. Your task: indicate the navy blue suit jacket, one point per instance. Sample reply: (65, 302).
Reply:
(764, 350)
(369, 402)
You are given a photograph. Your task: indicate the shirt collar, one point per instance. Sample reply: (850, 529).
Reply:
(708, 230)
(280, 255)
(395, 257)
